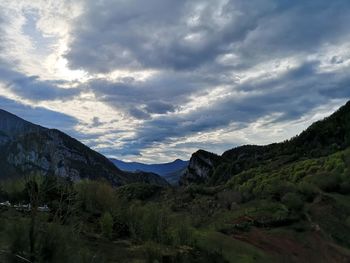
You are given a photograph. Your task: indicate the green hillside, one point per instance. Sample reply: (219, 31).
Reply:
(284, 202)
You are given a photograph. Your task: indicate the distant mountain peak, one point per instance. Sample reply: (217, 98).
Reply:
(13, 125)
(26, 147)
(171, 170)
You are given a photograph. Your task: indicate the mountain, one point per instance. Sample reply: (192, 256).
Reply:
(11, 125)
(26, 147)
(173, 178)
(299, 187)
(322, 138)
(171, 171)
(283, 202)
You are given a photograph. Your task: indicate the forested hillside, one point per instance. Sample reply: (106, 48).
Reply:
(284, 202)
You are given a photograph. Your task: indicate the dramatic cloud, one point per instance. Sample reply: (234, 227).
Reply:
(289, 97)
(188, 34)
(154, 82)
(32, 88)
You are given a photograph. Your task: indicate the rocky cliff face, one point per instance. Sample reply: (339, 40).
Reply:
(200, 167)
(25, 148)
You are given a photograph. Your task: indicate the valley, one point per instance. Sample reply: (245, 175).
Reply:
(284, 202)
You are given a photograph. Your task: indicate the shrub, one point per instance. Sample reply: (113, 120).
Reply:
(184, 234)
(345, 187)
(95, 196)
(57, 244)
(327, 182)
(293, 201)
(149, 223)
(13, 190)
(276, 189)
(153, 254)
(18, 238)
(347, 221)
(139, 191)
(106, 223)
(228, 197)
(54, 243)
(309, 191)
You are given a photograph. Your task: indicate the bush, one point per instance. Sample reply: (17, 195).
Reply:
(18, 239)
(54, 243)
(13, 190)
(309, 191)
(293, 201)
(276, 189)
(345, 187)
(57, 244)
(327, 182)
(95, 196)
(184, 235)
(229, 197)
(153, 254)
(106, 223)
(149, 223)
(347, 221)
(139, 191)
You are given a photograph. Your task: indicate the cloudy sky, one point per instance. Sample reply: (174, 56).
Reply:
(156, 80)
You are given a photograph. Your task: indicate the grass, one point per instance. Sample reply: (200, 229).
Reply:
(232, 250)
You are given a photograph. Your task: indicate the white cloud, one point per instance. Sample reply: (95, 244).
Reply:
(156, 82)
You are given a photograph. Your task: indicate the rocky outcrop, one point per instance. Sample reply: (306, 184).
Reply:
(200, 167)
(26, 148)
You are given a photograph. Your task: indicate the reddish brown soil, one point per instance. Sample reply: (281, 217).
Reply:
(285, 248)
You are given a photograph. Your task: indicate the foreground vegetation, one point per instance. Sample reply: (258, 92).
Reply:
(293, 213)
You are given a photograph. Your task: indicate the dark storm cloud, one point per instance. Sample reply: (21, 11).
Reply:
(159, 107)
(160, 94)
(31, 87)
(160, 34)
(190, 34)
(290, 95)
(186, 40)
(195, 47)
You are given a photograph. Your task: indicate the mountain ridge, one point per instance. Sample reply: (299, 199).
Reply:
(12, 125)
(322, 138)
(171, 171)
(26, 147)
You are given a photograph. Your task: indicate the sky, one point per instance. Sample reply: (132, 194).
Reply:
(156, 80)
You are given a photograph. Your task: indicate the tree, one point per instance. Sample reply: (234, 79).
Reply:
(32, 186)
(106, 223)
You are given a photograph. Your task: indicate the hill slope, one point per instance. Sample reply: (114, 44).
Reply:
(322, 138)
(26, 147)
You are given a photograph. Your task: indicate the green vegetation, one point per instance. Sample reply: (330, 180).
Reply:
(106, 223)
(247, 219)
(287, 202)
(134, 220)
